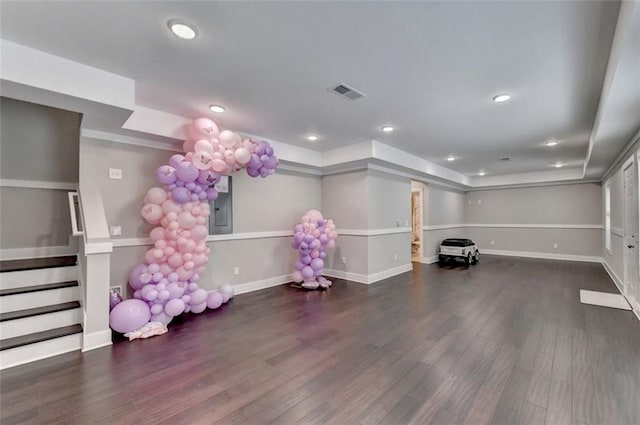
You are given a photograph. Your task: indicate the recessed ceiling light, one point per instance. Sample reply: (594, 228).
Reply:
(217, 108)
(501, 98)
(183, 29)
(388, 128)
(312, 137)
(451, 158)
(550, 143)
(481, 173)
(558, 164)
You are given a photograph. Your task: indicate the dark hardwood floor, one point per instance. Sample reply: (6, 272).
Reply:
(504, 342)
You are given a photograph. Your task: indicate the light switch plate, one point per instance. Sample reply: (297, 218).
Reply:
(115, 230)
(115, 173)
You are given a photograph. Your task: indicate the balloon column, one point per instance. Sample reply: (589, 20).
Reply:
(312, 237)
(166, 283)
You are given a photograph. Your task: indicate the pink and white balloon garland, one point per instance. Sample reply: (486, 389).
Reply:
(165, 284)
(312, 237)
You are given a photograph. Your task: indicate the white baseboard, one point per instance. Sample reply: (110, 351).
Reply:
(618, 282)
(37, 252)
(368, 279)
(545, 255)
(430, 260)
(256, 285)
(38, 351)
(94, 340)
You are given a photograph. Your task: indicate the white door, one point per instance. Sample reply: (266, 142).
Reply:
(631, 278)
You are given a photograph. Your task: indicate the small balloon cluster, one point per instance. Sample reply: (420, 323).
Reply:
(165, 284)
(312, 237)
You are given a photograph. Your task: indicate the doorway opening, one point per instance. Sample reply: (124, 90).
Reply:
(416, 224)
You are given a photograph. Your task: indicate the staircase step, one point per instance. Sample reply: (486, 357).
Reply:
(19, 341)
(29, 300)
(40, 350)
(24, 278)
(21, 314)
(37, 288)
(37, 263)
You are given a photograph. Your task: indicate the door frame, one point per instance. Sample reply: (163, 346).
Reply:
(635, 204)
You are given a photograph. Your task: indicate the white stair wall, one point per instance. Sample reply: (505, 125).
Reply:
(9, 303)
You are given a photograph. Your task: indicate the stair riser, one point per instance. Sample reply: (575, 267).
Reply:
(9, 280)
(41, 322)
(38, 299)
(41, 350)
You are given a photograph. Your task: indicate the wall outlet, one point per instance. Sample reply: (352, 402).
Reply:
(117, 289)
(115, 230)
(344, 260)
(115, 173)
(236, 271)
(406, 223)
(479, 201)
(555, 245)
(395, 257)
(398, 223)
(493, 242)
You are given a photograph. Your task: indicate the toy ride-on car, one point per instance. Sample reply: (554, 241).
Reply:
(458, 249)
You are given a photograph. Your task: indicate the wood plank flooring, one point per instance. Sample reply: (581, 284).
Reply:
(503, 342)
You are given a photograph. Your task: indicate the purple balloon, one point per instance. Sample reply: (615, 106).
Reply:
(317, 264)
(181, 195)
(268, 150)
(306, 259)
(134, 276)
(206, 177)
(254, 162)
(297, 228)
(214, 299)
(308, 238)
(114, 299)
(191, 186)
(163, 318)
(212, 194)
(187, 172)
(166, 174)
(253, 172)
(261, 149)
(175, 160)
(307, 272)
(299, 265)
(323, 238)
(323, 255)
(129, 315)
(174, 307)
(264, 172)
(272, 163)
(194, 197)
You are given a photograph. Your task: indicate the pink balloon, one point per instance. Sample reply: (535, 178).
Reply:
(152, 213)
(156, 195)
(157, 234)
(188, 146)
(199, 232)
(297, 276)
(219, 166)
(227, 139)
(175, 260)
(203, 127)
(186, 220)
(242, 155)
(202, 160)
(203, 145)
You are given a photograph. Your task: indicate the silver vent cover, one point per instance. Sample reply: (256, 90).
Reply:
(346, 91)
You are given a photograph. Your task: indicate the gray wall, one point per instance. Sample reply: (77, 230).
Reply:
(345, 200)
(574, 204)
(37, 143)
(442, 207)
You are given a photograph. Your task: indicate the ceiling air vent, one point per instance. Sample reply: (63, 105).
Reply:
(346, 91)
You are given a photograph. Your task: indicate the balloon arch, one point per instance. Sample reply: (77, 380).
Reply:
(165, 284)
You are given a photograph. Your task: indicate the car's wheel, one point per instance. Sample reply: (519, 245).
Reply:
(476, 257)
(441, 260)
(467, 260)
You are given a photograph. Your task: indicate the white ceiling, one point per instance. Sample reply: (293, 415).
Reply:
(428, 68)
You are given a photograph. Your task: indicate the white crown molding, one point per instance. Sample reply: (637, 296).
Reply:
(88, 135)
(36, 184)
(513, 226)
